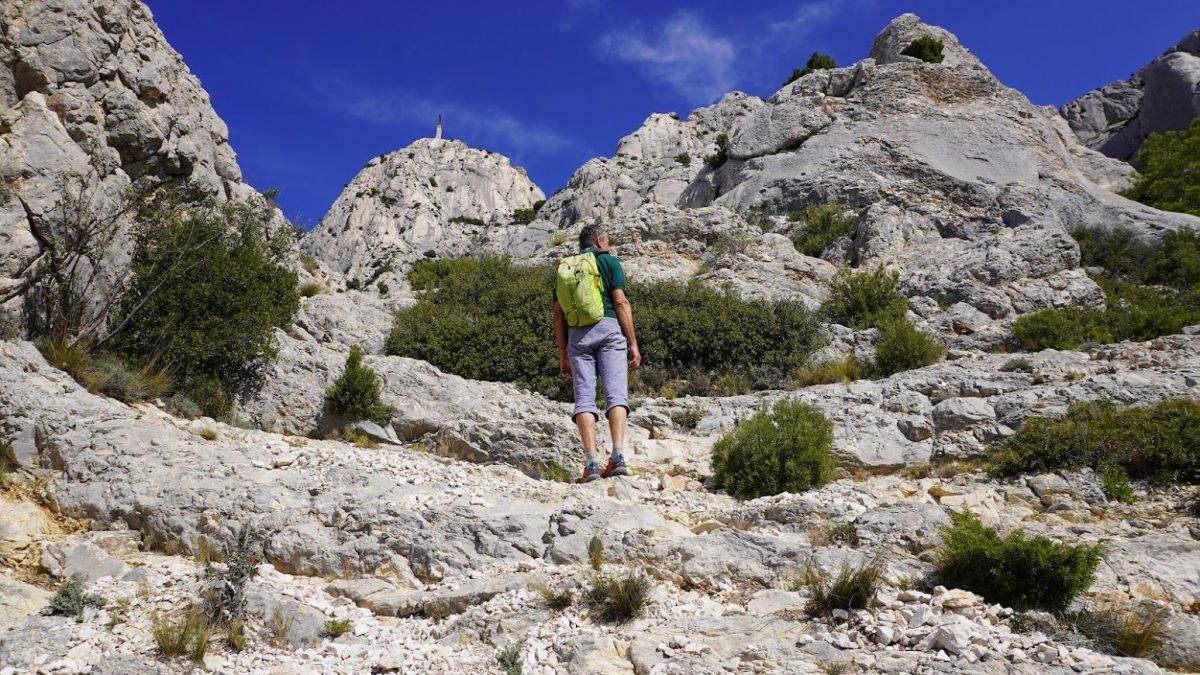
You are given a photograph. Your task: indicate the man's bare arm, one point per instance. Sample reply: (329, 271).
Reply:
(560, 338)
(625, 318)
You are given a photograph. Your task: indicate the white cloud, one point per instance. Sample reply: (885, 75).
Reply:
(684, 55)
(476, 126)
(806, 17)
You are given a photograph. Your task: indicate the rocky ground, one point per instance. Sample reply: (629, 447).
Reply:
(435, 561)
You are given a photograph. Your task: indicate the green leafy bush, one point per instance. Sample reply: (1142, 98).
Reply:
(488, 319)
(1159, 442)
(1015, 571)
(900, 347)
(684, 159)
(208, 289)
(524, 216)
(863, 300)
(821, 226)
(815, 62)
(689, 418)
(1170, 171)
(837, 371)
(786, 450)
(354, 395)
(718, 159)
(71, 600)
(926, 48)
(1065, 328)
(617, 599)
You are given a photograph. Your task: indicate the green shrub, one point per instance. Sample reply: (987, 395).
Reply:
(1170, 171)
(863, 300)
(616, 600)
(785, 450)
(509, 659)
(1063, 329)
(718, 159)
(354, 395)
(467, 220)
(335, 628)
(926, 48)
(688, 419)
(523, 216)
(1015, 571)
(852, 587)
(70, 599)
(900, 347)
(208, 289)
(1159, 442)
(488, 319)
(684, 159)
(310, 263)
(815, 62)
(1142, 313)
(1117, 250)
(311, 288)
(556, 600)
(822, 225)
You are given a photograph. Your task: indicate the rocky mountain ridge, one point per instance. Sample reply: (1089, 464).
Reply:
(1163, 95)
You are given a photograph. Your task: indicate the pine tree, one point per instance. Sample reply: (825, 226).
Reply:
(355, 394)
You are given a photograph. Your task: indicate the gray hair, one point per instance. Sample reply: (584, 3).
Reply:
(590, 235)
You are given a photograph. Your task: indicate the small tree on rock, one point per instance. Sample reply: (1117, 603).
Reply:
(1170, 163)
(816, 62)
(355, 394)
(926, 48)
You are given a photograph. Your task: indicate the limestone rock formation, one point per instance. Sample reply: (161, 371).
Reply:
(435, 197)
(1164, 95)
(93, 90)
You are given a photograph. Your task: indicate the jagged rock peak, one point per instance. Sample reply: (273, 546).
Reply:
(433, 195)
(1163, 95)
(901, 32)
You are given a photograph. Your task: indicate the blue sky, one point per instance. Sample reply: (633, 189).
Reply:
(311, 89)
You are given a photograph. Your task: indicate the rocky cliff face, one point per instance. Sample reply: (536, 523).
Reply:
(1163, 95)
(435, 195)
(93, 90)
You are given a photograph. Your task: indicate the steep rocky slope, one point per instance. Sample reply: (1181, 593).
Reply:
(1163, 95)
(404, 204)
(93, 90)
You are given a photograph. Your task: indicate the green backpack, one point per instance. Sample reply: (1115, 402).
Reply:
(580, 289)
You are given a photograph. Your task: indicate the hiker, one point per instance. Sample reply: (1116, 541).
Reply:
(593, 326)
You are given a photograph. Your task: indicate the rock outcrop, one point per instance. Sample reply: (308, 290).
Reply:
(1164, 95)
(435, 197)
(92, 90)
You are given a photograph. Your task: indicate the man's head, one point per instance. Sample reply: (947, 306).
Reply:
(593, 236)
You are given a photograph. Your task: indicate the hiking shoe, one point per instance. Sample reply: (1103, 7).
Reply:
(616, 467)
(591, 472)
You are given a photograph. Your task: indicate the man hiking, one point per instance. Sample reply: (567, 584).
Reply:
(593, 326)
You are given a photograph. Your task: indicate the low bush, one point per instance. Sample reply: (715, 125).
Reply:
(311, 288)
(1062, 329)
(852, 587)
(1015, 570)
(1170, 171)
(819, 226)
(689, 418)
(1135, 633)
(900, 347)
(224, 593)
(509, 659)
(354, 395)
(926, 48)
(523, 216)
(186, 636)
(617, 599)
(106, 373)
(788, 449)
(833, 534)
(488, 319)
(718, 158)
(834, 371)
(816, 62)
(556, 600)
(1159, 442)
(684, 159)
(468, 220)
(863, 300)
(335, 628)
(70, 599)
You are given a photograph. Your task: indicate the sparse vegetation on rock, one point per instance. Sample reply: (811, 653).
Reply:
(1016, 571)
(785, 450)
(617, 599)
(718, 158)
(852, 587)
(71, 598)
(926, 48)
(818, 226)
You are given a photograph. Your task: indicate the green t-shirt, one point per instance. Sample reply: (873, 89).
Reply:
(613, 276)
